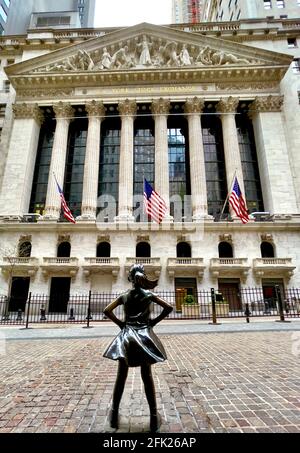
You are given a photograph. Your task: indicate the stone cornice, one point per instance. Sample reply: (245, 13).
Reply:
(194, 105)
(161, 106)
(95, 109)
(127, 108)
(63, 110)
(28, 111)
(228, 105)
(266, 104)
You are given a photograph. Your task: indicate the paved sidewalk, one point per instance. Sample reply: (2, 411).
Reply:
(212, 382)
(108, 329)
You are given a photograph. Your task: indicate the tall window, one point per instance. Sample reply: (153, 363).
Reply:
(42, 167)
(214, 165)
(179, 166)
(249, 160)
(108, 187)
(75, 165)
(144, 158)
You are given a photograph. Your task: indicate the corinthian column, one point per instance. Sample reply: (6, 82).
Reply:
(279, 193)
(21, 156)
(193, 109)
(227, 107)
(64, 114)
(96, 112)
(127, 111)
(160, 109)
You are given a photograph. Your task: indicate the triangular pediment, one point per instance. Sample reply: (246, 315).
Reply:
(146, 48)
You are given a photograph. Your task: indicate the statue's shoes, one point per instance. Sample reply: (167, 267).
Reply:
(114, 419)
(155, 422)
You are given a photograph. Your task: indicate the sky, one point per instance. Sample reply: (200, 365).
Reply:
(114, 13)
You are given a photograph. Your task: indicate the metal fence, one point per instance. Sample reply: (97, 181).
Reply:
(209, 305)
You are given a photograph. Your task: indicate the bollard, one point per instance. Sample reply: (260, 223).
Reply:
(247, 313)
(43, 315)
(213, 306)
(72, 317)
(280, 304)
(28, 310)
(19, 317)
(89, 316)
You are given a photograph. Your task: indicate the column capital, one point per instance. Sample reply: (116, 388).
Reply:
(266, 104)
(63, 110)
(228, 105)
(194, 105)
(161, 106)
(28, 111)
(95, 108)
(127, 108)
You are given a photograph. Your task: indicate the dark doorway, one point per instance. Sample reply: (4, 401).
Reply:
(18, 293)
(267, 250)
(184, 287)
(184, 250)
(269, 292)
(231, 293)
(59, 294)
(103, 250)
(64, 250)
(143, 250)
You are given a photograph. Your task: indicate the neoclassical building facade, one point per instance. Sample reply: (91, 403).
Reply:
(183, 108)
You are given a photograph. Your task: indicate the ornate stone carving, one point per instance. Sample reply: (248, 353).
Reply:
(63, 238)
(225, 238)
(146, 51)
(143, 238)
(127, 108)
(267, 238)
(194, 105)
(248, 86)
(228, 105)
(103, 238)
(267, 104)
(63, 110)
(25, 238)
(161, 106)
(28, 111)
(95, 108)
(46, 93)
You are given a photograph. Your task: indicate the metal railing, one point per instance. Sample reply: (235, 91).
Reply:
(208, 305)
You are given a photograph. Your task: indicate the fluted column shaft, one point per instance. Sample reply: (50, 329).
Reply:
(160, 110)
(127, 111)
(64, 114)
(227, 107)
(21, 156)
(193, 108)
(96, 112)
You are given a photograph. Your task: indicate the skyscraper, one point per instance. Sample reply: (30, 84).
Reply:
(20, 13)
(186, 11)
(4, 7)
(228, 10)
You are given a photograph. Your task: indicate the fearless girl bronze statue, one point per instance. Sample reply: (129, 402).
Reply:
(137, 345)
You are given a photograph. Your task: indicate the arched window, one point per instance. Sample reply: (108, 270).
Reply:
(225, 250)
(103, 250)
(25, 250)
(64, 250)
(184, 250)
(267, 250)
(143, 250)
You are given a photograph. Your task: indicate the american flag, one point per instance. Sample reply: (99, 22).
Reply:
(238, 203)
(155, 206)
(67, 213)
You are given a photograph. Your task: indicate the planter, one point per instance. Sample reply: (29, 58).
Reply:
(222, 310)
(191, 311)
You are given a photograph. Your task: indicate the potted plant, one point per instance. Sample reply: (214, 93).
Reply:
(190, 306)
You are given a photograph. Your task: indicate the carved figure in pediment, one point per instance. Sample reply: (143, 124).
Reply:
(145, 57)
(184, 57)
(205, 56)
(171, 49)
(106, 60)
(122, 59)
(232, 59)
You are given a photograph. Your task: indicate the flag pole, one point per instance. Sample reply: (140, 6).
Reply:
(226, 201)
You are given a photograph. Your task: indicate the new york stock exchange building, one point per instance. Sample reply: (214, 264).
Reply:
(186, 107)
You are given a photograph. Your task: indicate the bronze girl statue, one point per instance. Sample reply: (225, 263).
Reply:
(136, 345)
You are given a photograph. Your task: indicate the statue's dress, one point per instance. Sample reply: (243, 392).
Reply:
(136, 344)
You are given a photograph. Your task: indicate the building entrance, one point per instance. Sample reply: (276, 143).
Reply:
(59, 295)
(18, 293)
(231, 293)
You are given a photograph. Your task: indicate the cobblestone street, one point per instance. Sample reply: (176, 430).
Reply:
(220, 382)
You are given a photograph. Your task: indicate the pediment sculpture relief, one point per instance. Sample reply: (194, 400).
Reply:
(145, 52)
